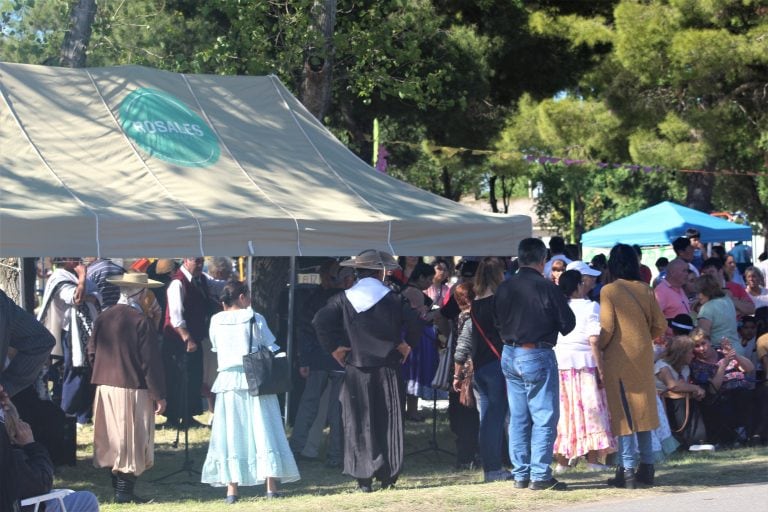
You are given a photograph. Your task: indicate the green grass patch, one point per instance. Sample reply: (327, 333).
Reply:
(429, 481)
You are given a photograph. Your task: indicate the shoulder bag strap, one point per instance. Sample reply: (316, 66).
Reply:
(634, 298)
(250, 334)
(476, 324)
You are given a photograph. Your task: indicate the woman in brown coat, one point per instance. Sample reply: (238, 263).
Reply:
(128, 373)
(630, 318)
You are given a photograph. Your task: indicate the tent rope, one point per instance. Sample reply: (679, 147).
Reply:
(242, 169)
(146, 167)
(275, 82)
(39, 154)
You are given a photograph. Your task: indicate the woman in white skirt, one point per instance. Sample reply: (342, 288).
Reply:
(248, 445)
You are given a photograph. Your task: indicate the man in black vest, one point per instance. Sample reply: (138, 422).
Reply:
(192, 300)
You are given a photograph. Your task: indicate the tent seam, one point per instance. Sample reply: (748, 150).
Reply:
(242, 169)
(39, 154)
(273, 78)
(144, 164)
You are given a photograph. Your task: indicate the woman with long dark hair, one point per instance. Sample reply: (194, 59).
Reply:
(248, 444)
(630, 318)
(419, 368)
(480, 342)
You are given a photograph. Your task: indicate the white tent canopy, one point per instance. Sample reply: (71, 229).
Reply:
(131, 161)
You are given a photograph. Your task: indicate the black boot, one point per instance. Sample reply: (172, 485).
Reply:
(618, 479)
(124, 485)
(113, 477)
(630, 481)
(364, 484)
(645, 474)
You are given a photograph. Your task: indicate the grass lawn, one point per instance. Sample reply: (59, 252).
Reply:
(429, 481)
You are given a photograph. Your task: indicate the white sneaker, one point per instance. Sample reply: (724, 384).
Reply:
(597, 467)
(702, 448)
(560, 469)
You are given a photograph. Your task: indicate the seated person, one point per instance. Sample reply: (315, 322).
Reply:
(31, 466)
(680, 397)
(760, 430)
(721, 372)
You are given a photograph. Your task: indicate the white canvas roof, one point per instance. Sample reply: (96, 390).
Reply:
(131, 161)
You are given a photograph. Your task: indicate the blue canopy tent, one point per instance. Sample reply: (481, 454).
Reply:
(661, 224)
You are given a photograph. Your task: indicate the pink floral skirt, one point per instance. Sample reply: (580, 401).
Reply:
(584, 424)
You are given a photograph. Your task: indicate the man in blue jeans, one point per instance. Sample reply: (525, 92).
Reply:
(530, 311)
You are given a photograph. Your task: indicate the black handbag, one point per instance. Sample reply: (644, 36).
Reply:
(267, 373)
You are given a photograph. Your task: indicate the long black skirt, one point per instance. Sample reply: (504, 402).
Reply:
(371, 400)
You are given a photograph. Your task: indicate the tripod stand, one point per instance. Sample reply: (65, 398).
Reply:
(432, 444)
(183, 424)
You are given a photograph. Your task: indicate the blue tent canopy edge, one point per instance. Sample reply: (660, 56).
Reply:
(661, 224)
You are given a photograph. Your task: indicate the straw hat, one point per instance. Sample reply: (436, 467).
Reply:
(134, 280)
(372, 259)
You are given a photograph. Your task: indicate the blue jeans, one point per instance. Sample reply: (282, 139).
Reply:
(533, 391)
(492, 405)
(317, 381)
(631, 444)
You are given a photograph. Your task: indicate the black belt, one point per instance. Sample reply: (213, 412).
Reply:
(538, 344)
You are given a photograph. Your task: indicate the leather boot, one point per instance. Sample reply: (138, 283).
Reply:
(618, 479)
(124, 485)
(645, 474)
(630, 481)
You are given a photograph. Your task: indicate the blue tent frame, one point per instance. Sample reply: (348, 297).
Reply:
(661, 224)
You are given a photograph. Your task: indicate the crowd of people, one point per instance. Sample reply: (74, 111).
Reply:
(565, 359)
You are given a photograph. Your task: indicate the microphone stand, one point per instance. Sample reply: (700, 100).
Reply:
(183, 424)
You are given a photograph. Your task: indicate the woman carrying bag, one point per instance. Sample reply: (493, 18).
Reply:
(681, 398)
(248, 444)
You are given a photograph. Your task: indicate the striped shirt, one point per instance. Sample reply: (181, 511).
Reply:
(98, 272)
(31, 340)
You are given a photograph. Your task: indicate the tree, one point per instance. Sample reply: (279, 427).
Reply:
(73, 50)
(687, 80)
(568, 141)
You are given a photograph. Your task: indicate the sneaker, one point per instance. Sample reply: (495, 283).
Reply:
(560, 469)
(364, 485)
(701, 448)
(548, 485)
(597, 467)
(273, 495)
(231, 499)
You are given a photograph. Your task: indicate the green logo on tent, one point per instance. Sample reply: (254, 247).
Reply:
(167, 129)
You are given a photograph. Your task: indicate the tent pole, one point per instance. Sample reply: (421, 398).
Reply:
(22, 291)
(289, 341)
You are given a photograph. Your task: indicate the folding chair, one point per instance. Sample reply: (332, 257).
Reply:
(55, 494)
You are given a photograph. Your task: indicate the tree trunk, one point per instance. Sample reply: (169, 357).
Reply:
(73, 50)
(9, 278)
(505, 193)
(492, 193)
(699, 190)
(270, 276)
(318, 63)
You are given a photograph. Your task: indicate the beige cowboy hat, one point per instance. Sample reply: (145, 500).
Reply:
(134, 280)
(372, 259)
